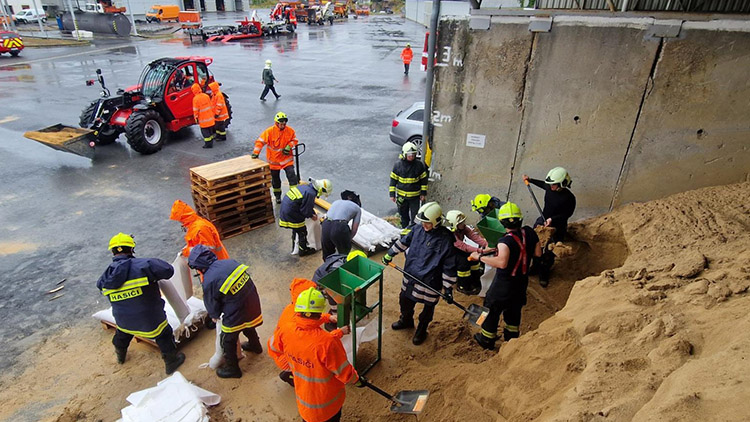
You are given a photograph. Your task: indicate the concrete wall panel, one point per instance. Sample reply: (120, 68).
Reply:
(694, 129)
(482, 95)
(584, 89)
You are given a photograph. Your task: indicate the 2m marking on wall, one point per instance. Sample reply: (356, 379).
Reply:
(439, 118)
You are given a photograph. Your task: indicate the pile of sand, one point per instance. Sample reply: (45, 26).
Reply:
(655, 328)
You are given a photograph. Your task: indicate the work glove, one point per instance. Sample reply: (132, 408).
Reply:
(254, 155)
(287, 377)
(387, 259)
(448, 293)
(288, 150)
(361, 382)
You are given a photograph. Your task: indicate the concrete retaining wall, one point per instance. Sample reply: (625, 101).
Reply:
(631, 115)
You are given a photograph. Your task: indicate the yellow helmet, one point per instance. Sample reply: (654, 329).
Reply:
(310, 301)
(280, 116)
(355, 253)
(430, 213)
(454, 218)
(480, 202)
(121, 239)
(510, 215)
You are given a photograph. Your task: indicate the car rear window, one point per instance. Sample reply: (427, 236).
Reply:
(8, 36)
(417, 115)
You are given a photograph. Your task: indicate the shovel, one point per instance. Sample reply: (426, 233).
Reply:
(410, 402)
(476, 314)
(534, 198)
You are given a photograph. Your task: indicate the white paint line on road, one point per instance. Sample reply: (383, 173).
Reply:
(80, 53)
(8, 119)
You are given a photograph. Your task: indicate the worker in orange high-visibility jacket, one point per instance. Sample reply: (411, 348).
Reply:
(204, 115)
(199, 230)
(286, 321)
(221, 111)
(279, 141)
(406, 56)
(317, 360)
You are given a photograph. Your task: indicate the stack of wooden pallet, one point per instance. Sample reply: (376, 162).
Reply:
(233, 194)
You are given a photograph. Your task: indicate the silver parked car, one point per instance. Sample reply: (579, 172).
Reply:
(407, 125)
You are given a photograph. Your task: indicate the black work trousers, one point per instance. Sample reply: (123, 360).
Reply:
(336, 236)
(221, 130)
(510, 311)
(265, 91)
(406, 68)
(208, 133)
(407, 306)
(300, 234)
(407, 209)
(291, 177)
(165, 340)
(229, 343)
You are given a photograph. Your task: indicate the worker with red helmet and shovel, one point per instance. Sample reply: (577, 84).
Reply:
(431, 259)
(507, 293)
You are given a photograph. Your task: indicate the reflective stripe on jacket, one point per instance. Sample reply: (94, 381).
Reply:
(297, 205)
(407, 55)
(199, 230)
(229, 290)
(218, 103)
(202, 110)
(408, 179)
(275, 140)
(318, 363)
(131, 285)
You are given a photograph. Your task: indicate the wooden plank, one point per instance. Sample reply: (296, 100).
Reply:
(244, 229)
(242, 219)
(218, 183)
(227, 206)
(218, 170)
(256, 185)
(207, 200)
(251, 208)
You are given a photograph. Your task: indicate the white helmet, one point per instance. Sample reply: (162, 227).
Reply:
(558, 176)
(454, 218)
(268, 63)
(430, 213)
(323, 186)
(409, 148)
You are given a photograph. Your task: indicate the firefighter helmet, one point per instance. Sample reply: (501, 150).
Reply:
(480, 202)
(280, 116)
(355, 253)
(558, 176)
(454, 218)
(310, 301)
(430, 213)
(323, 186)
(268, 63)
(510, 215)
(121, 240)
(409, 148)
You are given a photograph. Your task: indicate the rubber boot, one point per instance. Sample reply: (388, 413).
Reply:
(278, 198)
(121, 353)
(464, 285)
(420, 335)
(231, 368)
(402, 325)
(507, 335)
(252, 345)
(209, 144)
(475, 283)
(287, 377)
(172, 361)
(305, 251)
(486, 342)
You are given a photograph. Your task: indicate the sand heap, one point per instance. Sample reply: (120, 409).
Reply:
(666, 336)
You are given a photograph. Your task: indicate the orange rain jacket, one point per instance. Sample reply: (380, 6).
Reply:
(199, 230)
(318, 362)
(218, 104)
(286, 319)
(202, 110)
(275, 140)
(406, 55)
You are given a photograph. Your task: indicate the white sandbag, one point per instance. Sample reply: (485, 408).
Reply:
(218, 358)
(182, 280)
(314, 236)
(374, 231)
(173, 399)
(364, 334)
(486, 279)
(174, 299)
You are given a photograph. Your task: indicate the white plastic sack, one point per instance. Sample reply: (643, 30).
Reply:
(364, 334)
(182, 280)
(487, 277)
(175, 300)
(314, 236)
(174, 399)
(374, 231)
(218, 358)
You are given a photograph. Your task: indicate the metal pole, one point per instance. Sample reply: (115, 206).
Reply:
(41, 28)
(12, 22)
(75, 22)
(132, 18)
(431, 41)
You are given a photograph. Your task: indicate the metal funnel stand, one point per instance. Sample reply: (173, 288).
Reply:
(476, 314)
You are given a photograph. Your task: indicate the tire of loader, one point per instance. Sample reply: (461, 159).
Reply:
(107, 135)
(146, 131)
(229, 110)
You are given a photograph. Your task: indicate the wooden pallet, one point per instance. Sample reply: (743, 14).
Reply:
(256, 209)
(262, 189)
(238, 204)
(183, 340)
(227, 233)
(215, 175)
(239, 180)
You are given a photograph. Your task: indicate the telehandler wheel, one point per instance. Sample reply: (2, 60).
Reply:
(229, 110)
(107, 135)
(146, 131)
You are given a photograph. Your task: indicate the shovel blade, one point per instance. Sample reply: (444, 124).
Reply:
(410, 402)
(476, 314)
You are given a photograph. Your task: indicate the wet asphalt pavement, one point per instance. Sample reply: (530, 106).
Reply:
(341, 85)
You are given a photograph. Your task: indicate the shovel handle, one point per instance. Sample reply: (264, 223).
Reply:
(484, 254)
(379, 391)
(426, 286)
(538, 208)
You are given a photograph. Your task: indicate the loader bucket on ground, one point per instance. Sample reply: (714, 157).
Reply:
(65, 138)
